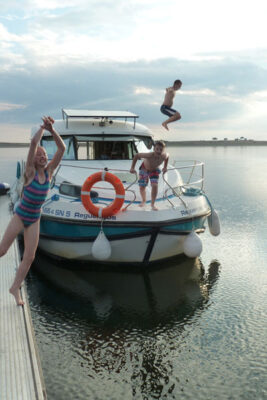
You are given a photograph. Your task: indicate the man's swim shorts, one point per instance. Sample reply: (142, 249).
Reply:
(167, 110)
(144, 175)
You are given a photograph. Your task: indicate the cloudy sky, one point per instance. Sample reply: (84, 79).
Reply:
(122, 54)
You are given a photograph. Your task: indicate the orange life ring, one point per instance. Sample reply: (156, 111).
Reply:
(115, 205)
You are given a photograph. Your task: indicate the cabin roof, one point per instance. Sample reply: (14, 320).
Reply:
(96, 127)
(71, 113)
(99, 125)
(105, 116)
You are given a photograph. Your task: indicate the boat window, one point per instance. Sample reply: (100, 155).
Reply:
(104, 150)
(106, 138)
(85, 150)
(50, 146)
(99, 147)
(131, 150)
(143, 145)
(70, 190)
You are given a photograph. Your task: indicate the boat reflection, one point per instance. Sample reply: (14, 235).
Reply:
(163, 293)
(121, 331)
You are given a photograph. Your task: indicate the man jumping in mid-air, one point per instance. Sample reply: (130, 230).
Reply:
(168, 102)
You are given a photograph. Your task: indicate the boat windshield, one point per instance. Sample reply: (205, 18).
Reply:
(99, 147)
(50, 146)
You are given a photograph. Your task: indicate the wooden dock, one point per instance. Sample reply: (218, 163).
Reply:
(20, 370)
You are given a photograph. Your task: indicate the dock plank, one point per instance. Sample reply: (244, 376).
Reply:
(20, 371)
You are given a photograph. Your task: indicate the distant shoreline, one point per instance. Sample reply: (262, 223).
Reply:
(214, 143)
(217, 143)
(11, 144)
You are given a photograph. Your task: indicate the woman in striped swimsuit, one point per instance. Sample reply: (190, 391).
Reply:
(27, 214)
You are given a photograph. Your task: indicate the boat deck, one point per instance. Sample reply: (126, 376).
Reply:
(20, 370)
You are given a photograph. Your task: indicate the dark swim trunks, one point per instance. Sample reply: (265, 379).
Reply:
(167, 110)
(144, 175)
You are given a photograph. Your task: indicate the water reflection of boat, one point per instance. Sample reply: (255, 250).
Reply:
(121, 330)
(176, 290)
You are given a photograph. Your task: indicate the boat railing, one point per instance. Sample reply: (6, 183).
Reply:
(194, 182)
(194, 179)
(127, 188)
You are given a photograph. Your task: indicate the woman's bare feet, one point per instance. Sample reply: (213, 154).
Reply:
(16, 294)
(142, 204)
(154, 207)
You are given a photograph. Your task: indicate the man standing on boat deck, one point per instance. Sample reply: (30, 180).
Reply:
(149, 169)
(168, 102)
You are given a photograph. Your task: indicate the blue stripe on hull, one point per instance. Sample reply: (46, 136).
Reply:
(185, 226)
(51, 228)
(75, 231)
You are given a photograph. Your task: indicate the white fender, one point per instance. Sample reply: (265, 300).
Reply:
(101, 249)
(192, 245)
(214, 223)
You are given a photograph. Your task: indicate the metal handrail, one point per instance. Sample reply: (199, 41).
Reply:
(105, 188)
(189, 183)
(192, 171)
(131, 184)
(90, 168)
(193, 166)
(173, 189)
(196, 164)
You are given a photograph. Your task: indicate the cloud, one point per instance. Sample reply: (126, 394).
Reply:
(256, 104)
(52, 32)
(10, 107)
(199, 92)
(142, 90)
(30, 7)
(122, 55)
(210, 92)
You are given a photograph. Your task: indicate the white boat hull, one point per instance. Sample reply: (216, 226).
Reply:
(123, 251)
(131, 242)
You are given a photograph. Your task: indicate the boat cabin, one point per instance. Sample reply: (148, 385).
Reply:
(99, 135)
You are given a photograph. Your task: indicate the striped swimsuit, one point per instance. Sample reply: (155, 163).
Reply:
(34, 195)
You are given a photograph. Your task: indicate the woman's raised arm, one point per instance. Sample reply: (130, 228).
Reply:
(29, 167)
(52, 165)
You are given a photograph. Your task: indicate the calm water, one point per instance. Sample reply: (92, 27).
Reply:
(188, 329)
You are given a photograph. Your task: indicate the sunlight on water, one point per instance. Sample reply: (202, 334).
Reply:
(190, 329)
